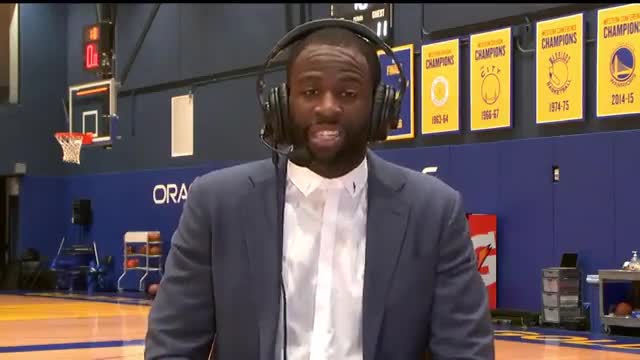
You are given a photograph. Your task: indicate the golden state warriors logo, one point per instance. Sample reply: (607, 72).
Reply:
(622, 66)
(490, 88)
(559, 73)
(439, 91)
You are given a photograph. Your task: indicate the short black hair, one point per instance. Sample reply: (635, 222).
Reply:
(343, 38)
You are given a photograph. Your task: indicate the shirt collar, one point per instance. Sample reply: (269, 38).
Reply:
(307, 181)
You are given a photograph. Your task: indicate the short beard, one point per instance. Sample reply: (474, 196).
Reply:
(355, 146)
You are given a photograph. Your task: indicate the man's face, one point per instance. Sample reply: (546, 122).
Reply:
(330, 97)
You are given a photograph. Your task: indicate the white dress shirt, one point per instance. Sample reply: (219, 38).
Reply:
(323, 264)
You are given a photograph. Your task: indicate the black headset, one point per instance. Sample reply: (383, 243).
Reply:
(386, 103)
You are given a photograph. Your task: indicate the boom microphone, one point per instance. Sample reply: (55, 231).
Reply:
(301, 156)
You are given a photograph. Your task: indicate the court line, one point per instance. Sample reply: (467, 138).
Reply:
(594, 347)
(69, 346)
(117, 298)
(554, 332)
(121, 302)
(122, 343)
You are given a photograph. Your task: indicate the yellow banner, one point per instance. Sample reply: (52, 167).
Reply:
(441, 87)
(490, 77)
(618, 52)
(559, 69)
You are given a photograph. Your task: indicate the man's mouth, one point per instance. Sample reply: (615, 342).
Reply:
(325, 139)
(327, 134)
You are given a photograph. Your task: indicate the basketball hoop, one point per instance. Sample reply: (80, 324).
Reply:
(71, 143)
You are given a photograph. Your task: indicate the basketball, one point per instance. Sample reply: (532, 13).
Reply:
(155, 250)
(143, 249)
(131, 263)
(154, 236)
(623, 309)
(153, 289)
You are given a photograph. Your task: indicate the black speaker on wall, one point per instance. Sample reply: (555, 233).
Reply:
(81, 212)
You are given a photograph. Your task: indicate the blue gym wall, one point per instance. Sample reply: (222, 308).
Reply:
(218, 46)
(27, 128)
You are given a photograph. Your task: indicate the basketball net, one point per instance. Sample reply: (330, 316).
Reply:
(71, 144)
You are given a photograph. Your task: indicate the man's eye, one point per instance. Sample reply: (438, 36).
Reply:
(349, 93)
(310, 92)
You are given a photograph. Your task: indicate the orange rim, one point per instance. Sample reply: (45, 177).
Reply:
(87, 138)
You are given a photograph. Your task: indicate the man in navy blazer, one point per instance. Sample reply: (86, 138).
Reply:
(342, 255)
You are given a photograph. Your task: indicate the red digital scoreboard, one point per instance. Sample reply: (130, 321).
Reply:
(97, 48)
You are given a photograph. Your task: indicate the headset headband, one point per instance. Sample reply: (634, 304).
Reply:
(311, 26)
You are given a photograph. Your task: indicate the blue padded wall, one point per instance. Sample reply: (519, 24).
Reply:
(584, 202)
(525, 221)
(419, 158)
(474, 172)
(626, 166)
(42, 221)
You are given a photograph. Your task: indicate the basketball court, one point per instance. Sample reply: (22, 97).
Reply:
(63, 326)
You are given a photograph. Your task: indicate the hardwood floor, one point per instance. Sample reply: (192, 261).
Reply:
(36, 327)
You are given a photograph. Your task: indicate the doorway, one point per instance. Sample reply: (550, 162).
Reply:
(9, 221)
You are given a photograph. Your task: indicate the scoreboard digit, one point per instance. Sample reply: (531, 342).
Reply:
(378, 17)
(97, 49)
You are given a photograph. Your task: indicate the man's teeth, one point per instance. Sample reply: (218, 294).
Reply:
(328, 133)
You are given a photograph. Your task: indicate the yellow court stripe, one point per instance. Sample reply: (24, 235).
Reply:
(62, 310)
(110, 299)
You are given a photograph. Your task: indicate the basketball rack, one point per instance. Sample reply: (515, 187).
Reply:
(140, 237)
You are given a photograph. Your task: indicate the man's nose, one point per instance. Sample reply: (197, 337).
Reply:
(328, 106)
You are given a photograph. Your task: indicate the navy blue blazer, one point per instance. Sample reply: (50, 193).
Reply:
(422, 292)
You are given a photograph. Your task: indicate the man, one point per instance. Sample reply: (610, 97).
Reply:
(375, 260)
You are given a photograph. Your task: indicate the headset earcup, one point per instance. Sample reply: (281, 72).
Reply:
(392, 116)
(283, 102)
(274, 115)
(377, 112)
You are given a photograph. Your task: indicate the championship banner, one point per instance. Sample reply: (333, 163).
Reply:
(440, 87)
(618, 52)
(490, 77)
(390, 76)
(560, 69)
(483, 229)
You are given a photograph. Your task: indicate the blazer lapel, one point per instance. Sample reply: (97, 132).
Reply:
(386, 223)
(264, 246)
